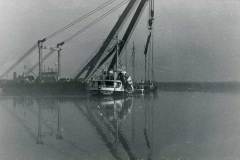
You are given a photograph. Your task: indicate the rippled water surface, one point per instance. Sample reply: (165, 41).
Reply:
(166, 125)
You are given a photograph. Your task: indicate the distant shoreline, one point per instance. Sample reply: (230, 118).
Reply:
(199, 86)
(78, 87)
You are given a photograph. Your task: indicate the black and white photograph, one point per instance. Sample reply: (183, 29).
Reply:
(120, 80)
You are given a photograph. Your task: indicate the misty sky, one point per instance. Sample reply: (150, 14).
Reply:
(195, 40)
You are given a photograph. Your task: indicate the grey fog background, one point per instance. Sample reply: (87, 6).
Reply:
(195, 40)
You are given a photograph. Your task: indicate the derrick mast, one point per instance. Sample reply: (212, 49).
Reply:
(90, 66)
(149, 45)
(59, 52)
(40, 47)
(133, 61)
(110, 55)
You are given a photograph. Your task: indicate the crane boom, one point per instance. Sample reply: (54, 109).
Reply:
(91, 64)
(147, 44)
(129, 30)
(76, 34)
(124, 40)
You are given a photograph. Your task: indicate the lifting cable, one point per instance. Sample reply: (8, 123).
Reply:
(96, 20)
(82, 30)
(83, 17)
(18, 61)
(100, 7)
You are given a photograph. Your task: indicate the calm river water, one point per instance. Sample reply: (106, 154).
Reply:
(164, 126)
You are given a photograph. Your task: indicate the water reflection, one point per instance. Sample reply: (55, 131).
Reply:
(148, 126)
(169, 125)
(108, 117)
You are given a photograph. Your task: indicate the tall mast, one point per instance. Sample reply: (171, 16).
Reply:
(133, 61)
(117, 53)
(150, 28)
(150, 31)
(145, 68)
(116, 69)
(40, 47)
(153, 76)
(149, 62)
(149, 42)
(145, 54)
(126, 57)
(152, 18)
(59, 52)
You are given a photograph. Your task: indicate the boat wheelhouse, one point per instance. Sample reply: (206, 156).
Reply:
(108, 85)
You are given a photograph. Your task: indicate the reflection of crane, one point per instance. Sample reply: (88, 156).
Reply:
(149, 128)
(38, 127)
(90, 117)
(101, 123)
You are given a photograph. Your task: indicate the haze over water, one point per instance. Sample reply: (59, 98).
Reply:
(194, 40)
(167, 125)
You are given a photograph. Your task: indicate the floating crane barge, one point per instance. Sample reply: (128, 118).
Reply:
(51, 81)
(106, 58)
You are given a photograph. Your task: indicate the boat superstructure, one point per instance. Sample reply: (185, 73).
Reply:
(112, 83)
